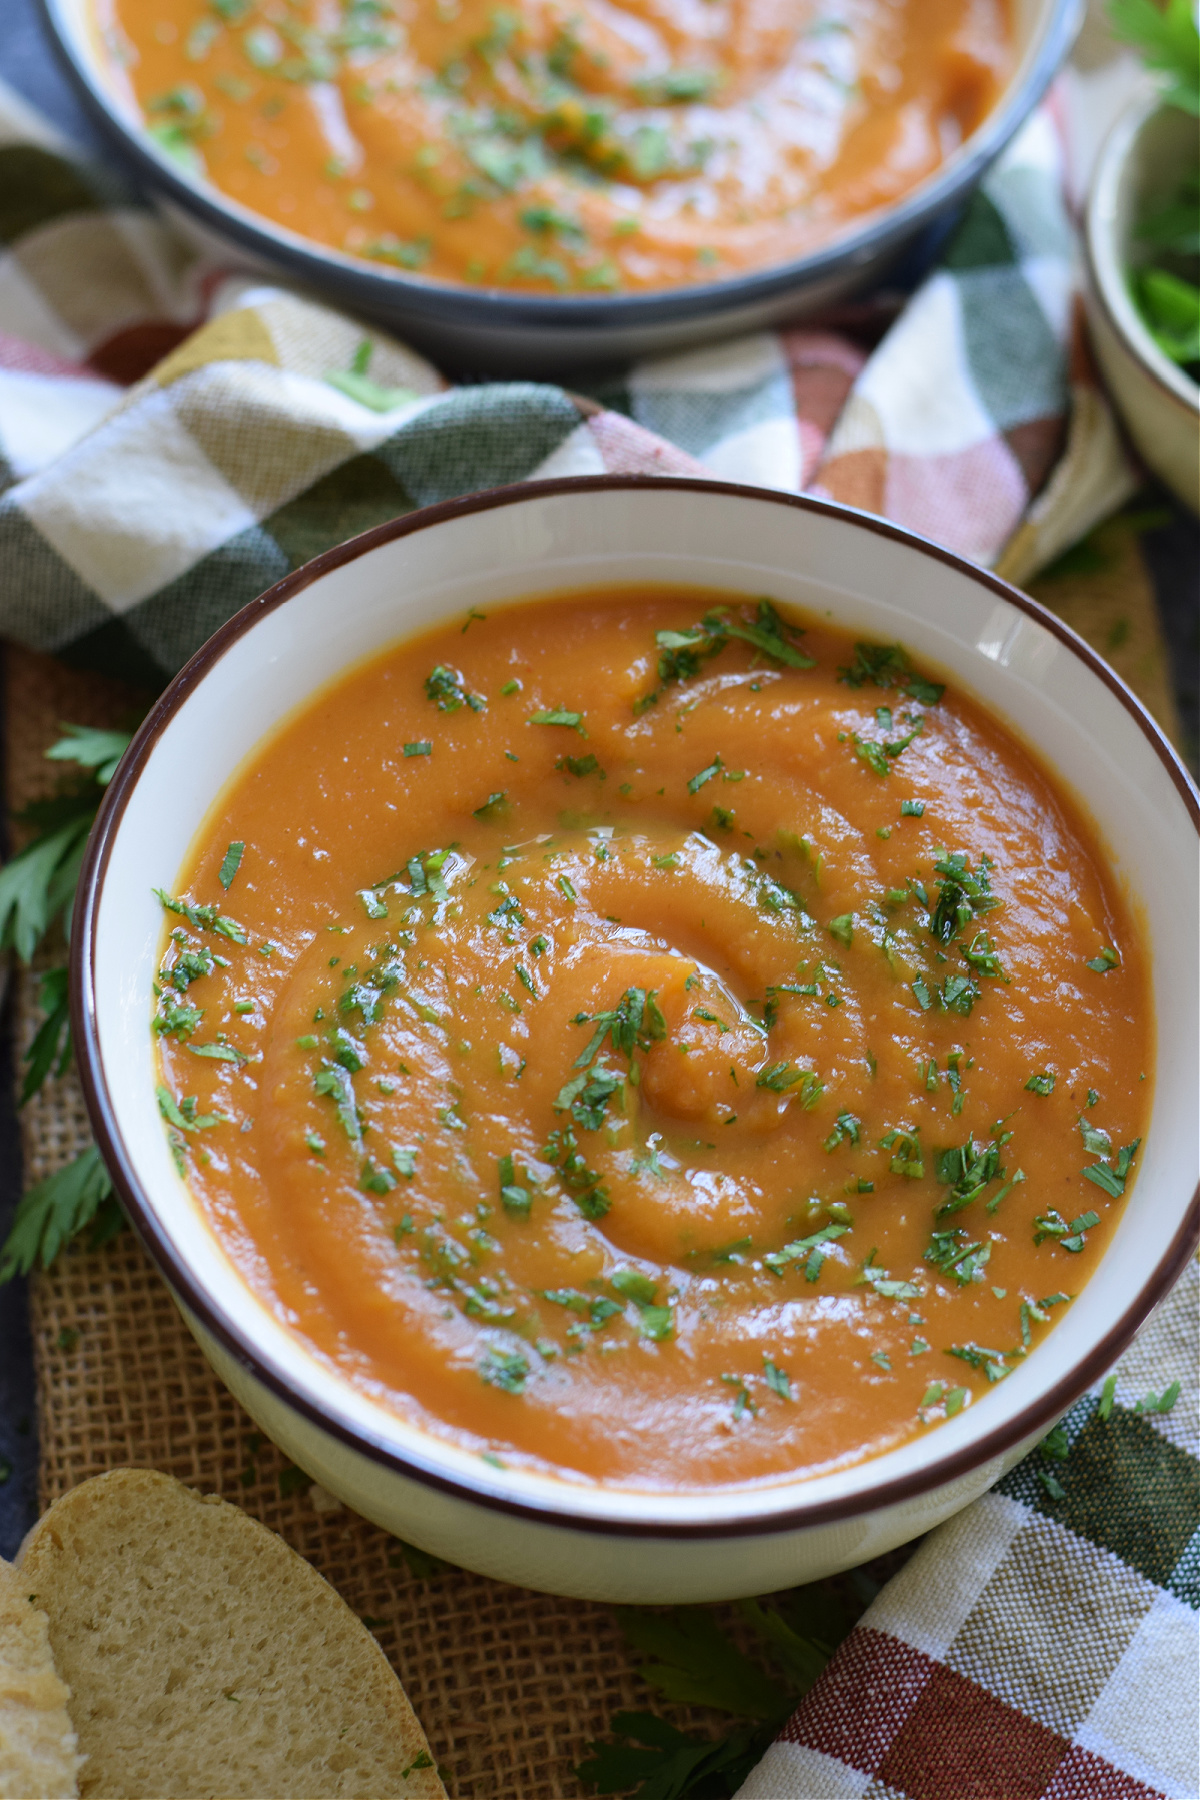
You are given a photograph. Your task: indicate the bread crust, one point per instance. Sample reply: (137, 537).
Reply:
(206, 1658)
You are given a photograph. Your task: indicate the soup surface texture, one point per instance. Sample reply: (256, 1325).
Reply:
(562, 145)
(636, 1036)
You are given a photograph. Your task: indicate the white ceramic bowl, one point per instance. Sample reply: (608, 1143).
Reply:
(1144, 154)
(506, 331)
(508, 545)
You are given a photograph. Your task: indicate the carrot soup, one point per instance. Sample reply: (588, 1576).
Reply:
(562, 145)
(649, 1036)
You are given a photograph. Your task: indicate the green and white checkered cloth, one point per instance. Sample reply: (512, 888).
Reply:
(136, 518)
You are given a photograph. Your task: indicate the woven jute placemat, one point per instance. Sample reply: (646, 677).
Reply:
(509, 1685)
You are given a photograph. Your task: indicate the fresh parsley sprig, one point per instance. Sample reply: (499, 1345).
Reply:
(37, 888)
(1167, 40)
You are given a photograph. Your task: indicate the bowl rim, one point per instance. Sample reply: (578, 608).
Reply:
(1104, 258)
(238, 1343)
(425, 299)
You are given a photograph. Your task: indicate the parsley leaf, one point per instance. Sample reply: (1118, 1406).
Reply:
(447, 689)
(559, 716)
(1041, 1084)
(93, 749)
(1166, 37)
(1106, 960)
(56, 1210)
(504, 1369)
(230, 864)
(888, 666)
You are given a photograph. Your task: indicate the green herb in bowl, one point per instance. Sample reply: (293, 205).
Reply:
(1166, 286)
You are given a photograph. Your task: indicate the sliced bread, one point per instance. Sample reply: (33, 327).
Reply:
(205, 1658)
(38, 1759)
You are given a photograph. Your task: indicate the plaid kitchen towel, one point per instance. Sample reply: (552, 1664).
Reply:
(1042, 1645)
(175, 438)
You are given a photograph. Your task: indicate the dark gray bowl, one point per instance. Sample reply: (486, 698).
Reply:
(502, 332)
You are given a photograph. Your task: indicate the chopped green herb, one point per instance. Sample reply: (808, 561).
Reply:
(1112, 1178)
(559, 716)
(446, 688)
(205, 918)
(1107, 1395)
(1107, 959)
(842, 928)
(912, 809)
(949, 1252)
(517, 1200)
(504, 1369)
(907, 1155)
(421, 747)
(888, 666)
(1041, 1084)
(230, 864)
(705, 775)
(777, 1379)
(808, 1250)
(494, 807)
(1159, 1403)
(990, 1362)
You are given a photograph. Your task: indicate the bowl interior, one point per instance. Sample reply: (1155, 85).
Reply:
(1043, 31)
(1148, 149)
(507, 546)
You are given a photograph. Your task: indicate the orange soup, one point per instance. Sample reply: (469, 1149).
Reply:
(562, 145)
(652, 1038)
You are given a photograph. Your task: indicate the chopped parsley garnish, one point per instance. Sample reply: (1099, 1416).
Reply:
(968, 1170)
(842, 928)
(558, 715)
(780, 1078)
(1107, 959)
(1041, 1084)
(912, 809)
(580, 766)
(586, 1096)
(634, 1023)
(880, 753)
(183, 1114)
(494, 807)
(808, 1250)
(374, 903)
(871, 1275)
(177, 1021)
(585, 1184)
(566, 889)
(697, 781)
(990, 1362)
(447, 689)
(218, 1053)
(949, 1252)
(421, 747)
(907, 1156)
(405, 1163)
(777, 1379)
(681, 652)
(1110, 1177)
(742, 1402)
(888, 666)
(516, 1199)
(376, 1180)
(845, 1131)
(205, 918)
(505, 1369)
(230, 864)
(962, 894)
(334, 1082)
(511, 686)
(1072, 1237)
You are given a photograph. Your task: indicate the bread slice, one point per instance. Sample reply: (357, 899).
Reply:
(37, 1742)
(207, 1659)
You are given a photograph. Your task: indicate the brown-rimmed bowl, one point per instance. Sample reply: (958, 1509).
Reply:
(513, 544)
(505, 331)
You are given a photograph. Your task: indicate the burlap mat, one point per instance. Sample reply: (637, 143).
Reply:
(509, 1685)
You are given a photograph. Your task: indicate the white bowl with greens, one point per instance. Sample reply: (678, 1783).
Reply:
(1143, 246)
